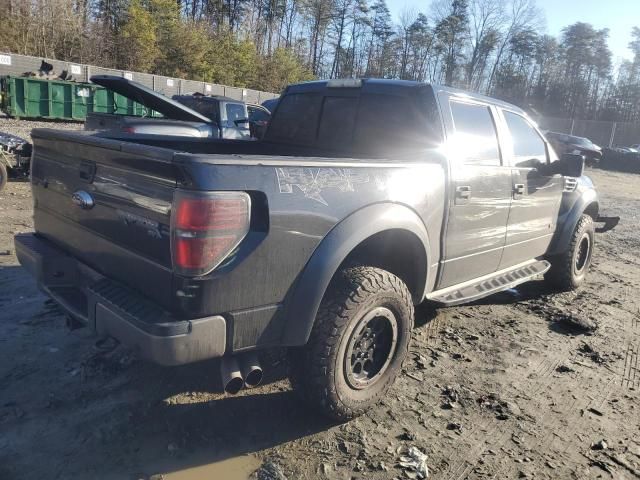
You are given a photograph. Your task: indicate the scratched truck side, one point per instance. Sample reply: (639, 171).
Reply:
(364, 199)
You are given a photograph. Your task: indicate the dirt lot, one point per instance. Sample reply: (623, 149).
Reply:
(520, 385)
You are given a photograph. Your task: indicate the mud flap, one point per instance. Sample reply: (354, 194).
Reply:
(609, 223)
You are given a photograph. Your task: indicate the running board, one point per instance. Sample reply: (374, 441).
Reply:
(489, 284)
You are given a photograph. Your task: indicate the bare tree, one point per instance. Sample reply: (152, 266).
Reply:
(520, 15)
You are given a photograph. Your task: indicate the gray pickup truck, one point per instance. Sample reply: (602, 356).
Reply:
(201, 116)
(364, 199)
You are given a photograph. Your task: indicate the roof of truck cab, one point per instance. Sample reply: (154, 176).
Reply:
(478, 96)
(320, 86)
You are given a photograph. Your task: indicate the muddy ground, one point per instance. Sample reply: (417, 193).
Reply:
(517, 386)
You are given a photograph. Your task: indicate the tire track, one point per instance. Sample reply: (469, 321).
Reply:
(480, 433)
(631, 375)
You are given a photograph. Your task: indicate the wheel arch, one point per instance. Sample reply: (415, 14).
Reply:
(586, 203)
(389, 236)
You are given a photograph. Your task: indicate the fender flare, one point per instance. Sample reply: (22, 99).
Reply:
(306, 294)
(569, 220)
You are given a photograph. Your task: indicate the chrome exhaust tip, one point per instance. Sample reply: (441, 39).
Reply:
(251, 370)
(231, 376)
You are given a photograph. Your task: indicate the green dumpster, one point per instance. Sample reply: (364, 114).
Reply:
(106, 101)
(28, 97)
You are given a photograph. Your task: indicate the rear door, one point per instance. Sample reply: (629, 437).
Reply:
(479, 194)
(536, 196)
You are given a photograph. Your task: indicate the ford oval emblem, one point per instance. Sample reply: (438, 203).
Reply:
(83, 199)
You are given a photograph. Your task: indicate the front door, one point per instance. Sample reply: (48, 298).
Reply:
(480, 193)
(536, 195)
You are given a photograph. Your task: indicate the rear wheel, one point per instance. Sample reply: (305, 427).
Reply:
(358, 343)
(569, 269)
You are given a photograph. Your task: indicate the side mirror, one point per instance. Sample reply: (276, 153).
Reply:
(571, 165)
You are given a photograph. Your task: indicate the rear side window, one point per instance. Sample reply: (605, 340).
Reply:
(390, 125)
(528, 147)
(475, 140)
(296, 119)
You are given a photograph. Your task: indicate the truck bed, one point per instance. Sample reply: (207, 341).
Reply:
(295, 200)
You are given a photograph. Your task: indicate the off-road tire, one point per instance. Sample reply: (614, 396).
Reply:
(569, 269)
(318, 371)
(3, 175)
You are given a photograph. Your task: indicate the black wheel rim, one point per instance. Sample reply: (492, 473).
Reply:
(371, 348)
(582, 255)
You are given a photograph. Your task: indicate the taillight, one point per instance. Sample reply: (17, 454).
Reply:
(206, 228)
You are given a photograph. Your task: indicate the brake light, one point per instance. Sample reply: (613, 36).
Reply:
(206, 228)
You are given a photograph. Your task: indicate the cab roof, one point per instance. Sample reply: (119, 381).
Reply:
(397, 87)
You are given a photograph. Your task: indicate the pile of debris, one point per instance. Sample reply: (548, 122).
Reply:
(15, 157)
(46, 71)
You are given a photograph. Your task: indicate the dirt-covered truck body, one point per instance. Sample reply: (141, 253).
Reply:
(364, 199)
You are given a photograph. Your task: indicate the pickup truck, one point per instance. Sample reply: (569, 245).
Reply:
(364, 199)
(201, 116)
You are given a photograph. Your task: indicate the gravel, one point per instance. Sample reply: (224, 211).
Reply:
(22, 128)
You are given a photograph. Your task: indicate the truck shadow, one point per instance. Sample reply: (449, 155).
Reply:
(205, 433)
(180, 418)
(527, 291)
(132, 419)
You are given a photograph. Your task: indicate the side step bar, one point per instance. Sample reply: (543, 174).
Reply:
(489, 284)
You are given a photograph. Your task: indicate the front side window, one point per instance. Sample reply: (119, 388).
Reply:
(235, 111)
(528, 147)
(475, 140)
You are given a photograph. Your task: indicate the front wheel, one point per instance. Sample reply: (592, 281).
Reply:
(569, 269)
(359, 340)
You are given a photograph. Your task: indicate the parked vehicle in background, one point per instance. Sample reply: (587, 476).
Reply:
(197, 116)
(564, 143)
(271, 104)
(622, 159)
(229, 115)
(365, 198)
(15, 157)
(258, 120)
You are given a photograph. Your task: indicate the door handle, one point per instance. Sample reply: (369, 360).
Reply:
(518, 189)
(464, 192)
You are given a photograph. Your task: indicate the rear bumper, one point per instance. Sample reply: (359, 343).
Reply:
(114, 310)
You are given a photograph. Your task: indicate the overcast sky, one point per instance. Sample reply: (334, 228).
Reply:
(617, 15)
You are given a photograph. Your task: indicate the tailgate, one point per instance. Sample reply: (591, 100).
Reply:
(107, 203)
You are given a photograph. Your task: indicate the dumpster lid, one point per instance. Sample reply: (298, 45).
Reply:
(149, 98)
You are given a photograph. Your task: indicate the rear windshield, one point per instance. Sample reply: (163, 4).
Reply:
(370, 124)
(202, 105)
